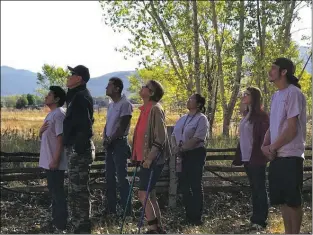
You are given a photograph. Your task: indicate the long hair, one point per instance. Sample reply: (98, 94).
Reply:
(256, 104)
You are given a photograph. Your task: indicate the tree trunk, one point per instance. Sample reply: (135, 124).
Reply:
(218, 47)
(240, 52)
(262, 36)
(289, 7)
(196, 47)
(213, 103)
(287, 35)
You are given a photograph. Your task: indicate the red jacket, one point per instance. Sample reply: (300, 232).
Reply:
(260, 126)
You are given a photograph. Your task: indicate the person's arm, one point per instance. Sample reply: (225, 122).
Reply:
(295, 105)
(199, 136)
(159, 137)
(267, 138)
(82, 121)
(287, 135)
(56, 158)
(58, 149)
(124, 120)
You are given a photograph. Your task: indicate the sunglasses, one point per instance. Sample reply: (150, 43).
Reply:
(146, 86)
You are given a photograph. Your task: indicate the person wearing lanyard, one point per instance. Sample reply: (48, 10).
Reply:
(188, 139)
(252, 129)
(150, 148)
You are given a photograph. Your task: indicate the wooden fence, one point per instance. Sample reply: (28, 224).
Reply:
(219, 175)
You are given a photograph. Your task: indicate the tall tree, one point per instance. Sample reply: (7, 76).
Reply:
(50, 76)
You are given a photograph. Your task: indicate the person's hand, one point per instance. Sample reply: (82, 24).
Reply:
(176, 150)
(147, 163)
(44, 127)
(268, 152)
(54, 165)
(135, 163)
(106, 141)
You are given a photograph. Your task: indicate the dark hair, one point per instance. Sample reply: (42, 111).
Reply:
(201, 102)
(256, 104)
(158, 91)
(58, 92)
(291, 79)
(288, 65)
(117, 82)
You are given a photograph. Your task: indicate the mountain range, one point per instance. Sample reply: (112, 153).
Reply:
(19, 81)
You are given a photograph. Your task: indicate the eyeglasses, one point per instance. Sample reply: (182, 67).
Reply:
(245, 94)
(146, 86)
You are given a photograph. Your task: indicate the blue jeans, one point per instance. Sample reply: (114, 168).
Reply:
(116, 165)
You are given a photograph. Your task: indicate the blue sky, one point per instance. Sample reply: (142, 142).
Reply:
(72, 32)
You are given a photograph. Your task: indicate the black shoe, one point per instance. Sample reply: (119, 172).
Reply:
(83, 229)
(161, 230)
(48, 228)
(194, 221)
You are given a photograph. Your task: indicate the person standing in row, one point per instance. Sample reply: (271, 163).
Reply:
(151, 147)
(80, 150)
(188, 140)
(115, 142)
(252, 129)
(284, 144)
(52, 157)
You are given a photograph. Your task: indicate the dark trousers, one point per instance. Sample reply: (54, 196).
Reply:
(116, 165)
(257, 180)
(55, 180)
(191, 183)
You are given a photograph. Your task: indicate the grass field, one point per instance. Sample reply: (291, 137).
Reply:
(224, 212)
(19, 129)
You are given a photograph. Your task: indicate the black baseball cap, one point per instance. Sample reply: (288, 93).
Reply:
(284, 63)
(80, 70)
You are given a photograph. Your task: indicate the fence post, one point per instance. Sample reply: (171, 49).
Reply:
(172, 175)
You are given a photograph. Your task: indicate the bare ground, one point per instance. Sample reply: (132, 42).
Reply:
(226, 213)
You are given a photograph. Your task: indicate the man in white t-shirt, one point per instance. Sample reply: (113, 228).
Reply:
(52, 157)
(116, 144)
(284, 144)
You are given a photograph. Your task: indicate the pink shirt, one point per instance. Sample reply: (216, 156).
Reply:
(140, 130)
(288, 103)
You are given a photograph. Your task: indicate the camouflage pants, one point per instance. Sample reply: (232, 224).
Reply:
(78, 189)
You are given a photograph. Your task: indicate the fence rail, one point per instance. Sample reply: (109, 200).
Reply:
(219, 174)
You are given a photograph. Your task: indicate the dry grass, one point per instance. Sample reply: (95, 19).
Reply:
(19, 129)
(223, 214)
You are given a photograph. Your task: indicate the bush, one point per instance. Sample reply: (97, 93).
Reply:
(21, 102)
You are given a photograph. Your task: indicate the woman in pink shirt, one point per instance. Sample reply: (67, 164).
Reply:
(150, 148)
(253, 127)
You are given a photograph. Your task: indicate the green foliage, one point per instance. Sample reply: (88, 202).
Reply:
(51, 76)
(9, 101)
(30, 99)
(21, 102)
(163, 35)
(174, 92)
